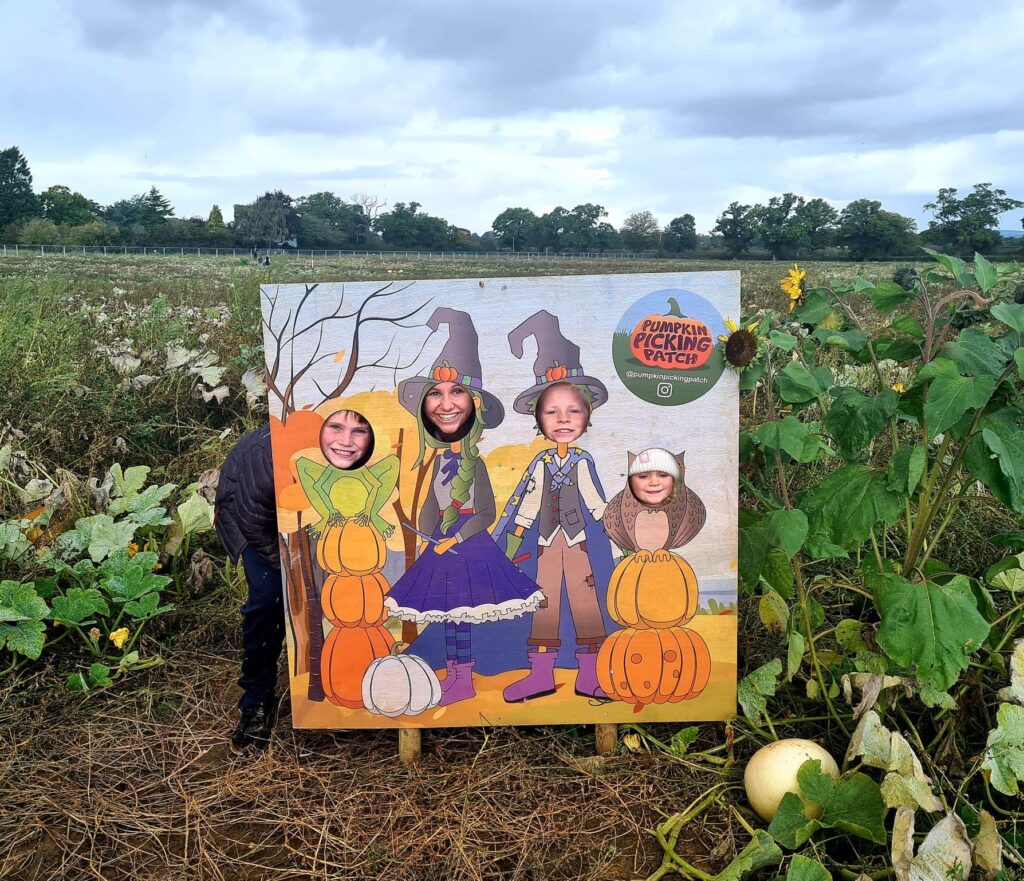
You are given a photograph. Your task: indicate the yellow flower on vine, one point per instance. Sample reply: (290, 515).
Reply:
(119, 637)
(132, 549)
(793, 285)
(898, 387)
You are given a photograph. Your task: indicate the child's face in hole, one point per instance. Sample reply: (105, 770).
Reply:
(562, 413)
(345, 440)
(448, 406)
(653, 488)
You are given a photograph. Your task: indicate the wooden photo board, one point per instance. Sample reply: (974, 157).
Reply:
(506, 501)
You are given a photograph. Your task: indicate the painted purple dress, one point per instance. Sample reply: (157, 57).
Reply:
(475, 584)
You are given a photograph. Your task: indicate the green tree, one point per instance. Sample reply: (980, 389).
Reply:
(640, 231)
(263, 222)
(17, 200)
(969, 224)
(215, 222)
(66, 208)
(777, 225)
(816, 220)
(869, 231)
(680, 234)
(737, 227)
(329, 222)
(581, 229)
(405, 227)
(517, 229)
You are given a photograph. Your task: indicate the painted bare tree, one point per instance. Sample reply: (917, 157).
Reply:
(308, 335)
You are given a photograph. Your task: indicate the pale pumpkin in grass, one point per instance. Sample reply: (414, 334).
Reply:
(771, 773)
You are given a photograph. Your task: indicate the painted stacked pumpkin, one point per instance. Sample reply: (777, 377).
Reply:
(653, 659)
(353, 601)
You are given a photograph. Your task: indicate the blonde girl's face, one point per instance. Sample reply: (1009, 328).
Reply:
(344, 440)
(448, 405)
(653, 488)
(562, 414)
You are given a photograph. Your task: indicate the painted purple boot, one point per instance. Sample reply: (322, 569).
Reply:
(538, 682)
(586, 680)
(462, 685)
(449, 677)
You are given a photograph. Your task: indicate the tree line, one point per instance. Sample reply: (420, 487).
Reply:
(786, 227)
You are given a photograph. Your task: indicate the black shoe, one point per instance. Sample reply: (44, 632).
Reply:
(254, 726)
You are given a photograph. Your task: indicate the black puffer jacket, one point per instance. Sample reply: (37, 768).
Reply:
(246, 510)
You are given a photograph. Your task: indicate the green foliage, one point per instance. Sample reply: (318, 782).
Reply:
(17, 200)
(920, 410)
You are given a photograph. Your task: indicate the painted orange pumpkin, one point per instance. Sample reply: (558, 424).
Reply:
(355, 600)
(656, 591)
(642, 667)
(559, 371)
(671, 341)
(445, 373)
(351, 549)
(347, 653)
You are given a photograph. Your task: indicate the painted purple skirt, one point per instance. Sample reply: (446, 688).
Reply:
(475, 585)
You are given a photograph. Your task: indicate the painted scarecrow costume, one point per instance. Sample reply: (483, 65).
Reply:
(472, 582)
(557, 508)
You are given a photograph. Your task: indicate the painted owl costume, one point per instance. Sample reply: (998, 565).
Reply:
(634, 526)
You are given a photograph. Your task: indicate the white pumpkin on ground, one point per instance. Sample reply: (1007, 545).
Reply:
(400, 685)
(771, 773)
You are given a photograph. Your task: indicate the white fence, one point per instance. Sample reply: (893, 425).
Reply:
(115, 250)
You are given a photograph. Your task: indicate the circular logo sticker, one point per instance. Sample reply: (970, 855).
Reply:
(664, 347)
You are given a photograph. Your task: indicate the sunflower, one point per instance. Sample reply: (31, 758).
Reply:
(741, 343)
(793, 285)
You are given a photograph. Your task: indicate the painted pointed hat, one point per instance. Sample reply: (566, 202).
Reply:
(558, 360)
(459, 362)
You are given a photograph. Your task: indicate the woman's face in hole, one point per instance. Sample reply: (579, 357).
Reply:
(448, 406)
(562, 414)
(653, 488)
(345, 440)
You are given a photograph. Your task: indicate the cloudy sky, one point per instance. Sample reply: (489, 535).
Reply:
(472, 107)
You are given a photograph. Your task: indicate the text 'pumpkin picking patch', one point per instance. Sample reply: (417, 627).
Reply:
(462, 540)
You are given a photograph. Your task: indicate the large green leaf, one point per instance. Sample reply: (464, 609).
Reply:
(755, 688)
(906, 468)
(805, 869)
(955, 265)
(786, 529)
(1008, 448)
(853, 804)
(753, 547)
(798, 385)
(887, 295)
(1004, 751)
(984, 272)
(950, 395)
(20, 602)
(928, 627)
(133, 584)
(848, 504)
(988, 465)
(855, 419)
(78, 605)
(1010, 314)
(24, 638)
(975, 354)
(801, 440)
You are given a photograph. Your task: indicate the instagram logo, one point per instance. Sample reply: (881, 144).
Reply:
(664, 390)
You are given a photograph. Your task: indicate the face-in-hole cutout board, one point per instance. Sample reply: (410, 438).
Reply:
(471, 570)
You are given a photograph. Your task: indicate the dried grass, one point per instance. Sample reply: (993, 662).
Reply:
(142, 784)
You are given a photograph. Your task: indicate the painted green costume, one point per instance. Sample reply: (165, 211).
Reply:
(358, 494)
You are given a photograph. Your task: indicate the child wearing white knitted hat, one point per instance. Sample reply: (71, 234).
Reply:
(653, 475)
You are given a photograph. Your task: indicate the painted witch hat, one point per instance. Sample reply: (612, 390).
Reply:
(459, 362)
(558, 360)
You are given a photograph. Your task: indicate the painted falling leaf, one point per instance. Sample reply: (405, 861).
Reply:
(340, 356)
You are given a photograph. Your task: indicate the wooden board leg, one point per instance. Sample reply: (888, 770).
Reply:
(605, 738)
(408, 745)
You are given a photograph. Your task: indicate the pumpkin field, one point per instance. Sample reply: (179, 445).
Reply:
(881, 603)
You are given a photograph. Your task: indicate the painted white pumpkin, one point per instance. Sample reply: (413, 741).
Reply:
(400, 685)
(771, 773)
